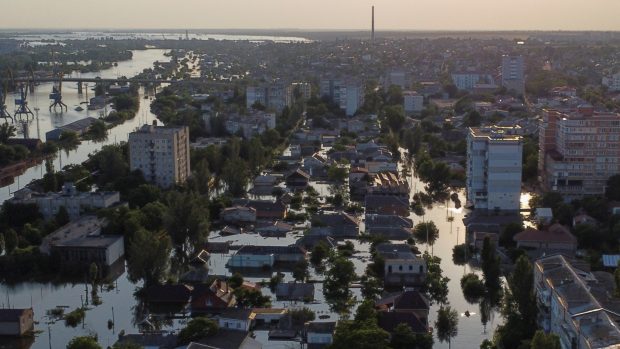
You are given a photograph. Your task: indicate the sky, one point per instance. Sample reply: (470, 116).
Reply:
(313, 14)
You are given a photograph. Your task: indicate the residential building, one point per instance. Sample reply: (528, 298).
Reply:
(81, 243)
(513, 73)
(612, 82)
(16, 322)
(75, 202)
(275, 95)
(253, 124)
(391, 227)
(303, 88)
(348, 94)
(494, 168)
(469, 80)
(575, 304)
(388, 183)
(319, 334)
(250, 256)
(396, 77)
(265, 210)
(298, 179)
(413, 102)
(402, 266)
(236, 319)
(578, 151)
(295, 291)
(408, 301)
(161, 153)
(171, 294)
(387, 205)
(341, 224)
(555, 239)
(212, 298)
(238, 214)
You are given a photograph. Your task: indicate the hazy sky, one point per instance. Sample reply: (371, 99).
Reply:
(313, 14)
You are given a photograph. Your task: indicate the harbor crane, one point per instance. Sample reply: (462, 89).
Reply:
(21, 105)
(4, 114)
(56, 95)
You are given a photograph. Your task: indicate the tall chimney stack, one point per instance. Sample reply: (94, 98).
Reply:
(372, 37)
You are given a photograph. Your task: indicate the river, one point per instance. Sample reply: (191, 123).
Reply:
(48, 120)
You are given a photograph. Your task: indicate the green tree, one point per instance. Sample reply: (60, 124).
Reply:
(521, 283)
(300, 271)
(86, 342)
(10, 240)
(446, 324)
(394, 117)
(490, 265)
(251, 298)
(426, 232)
(337, 173)
(362, 332)
(473, 287)
(472, 119)
(319, 254)
(149, 257)
(236, 176)
(143, 194)
(338, 278)
(435, 283)
(187, 218)
(6, 131)
(542, 340)
(507, 235)
(371, 287)
(404, 338)
(236, 280)
(196, 329)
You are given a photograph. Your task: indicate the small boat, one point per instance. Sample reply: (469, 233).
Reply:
(79, 108)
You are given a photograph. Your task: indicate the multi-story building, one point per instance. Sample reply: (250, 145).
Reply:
(612, 82)
(578, 151)
(275, 95)
(576, 304)
(75, 202)
(349, 95)
(304, 89)
(161, 153)
(513, 73)
(494, 168)
(254, 124)
(397, 77)
(469, 80)
(413, 102)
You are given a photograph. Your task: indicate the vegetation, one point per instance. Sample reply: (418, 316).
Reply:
(197, 329)
(86, 342)
(446, 324)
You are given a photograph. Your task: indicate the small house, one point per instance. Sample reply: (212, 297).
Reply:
(319, 334)
(555, 239)
(342, 225)
(295, 291)
(238, 214)
(16, 322)
(402, 266)
(179, 293)
(387, 205)
(297, 179)
(236, 319)
(212, 298)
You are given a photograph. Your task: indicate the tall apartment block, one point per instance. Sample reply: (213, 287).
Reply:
(513, 73)
(494, 163)
(349, 95)
(161, 153)
(578, 151)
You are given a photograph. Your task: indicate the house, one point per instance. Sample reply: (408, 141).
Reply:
(388, 183)
(402, 266)
(265, 210)
(295, 291)
(319, 334)
(544, 215)
(250, 256)
(80, 243)
(151, 340)
(277, 228)
(342, 225)
(212, 298)
(297, 179)
(226, 339)
(408, 301)
(236, 319)
(584, 219)
(270, 316)
(387, 205)
(309, 240)
(179, 293)
(16, 322)
(238, 214)
(392, 227)
(389, 320)
(477, 239)
(556, 238)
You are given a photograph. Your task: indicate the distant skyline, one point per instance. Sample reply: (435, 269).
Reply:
(314, 14)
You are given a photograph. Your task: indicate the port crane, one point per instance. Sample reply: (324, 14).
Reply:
(56, 95)
(4, 114)
(21, 104)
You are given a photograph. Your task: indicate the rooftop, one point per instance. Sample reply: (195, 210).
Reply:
(496, 133)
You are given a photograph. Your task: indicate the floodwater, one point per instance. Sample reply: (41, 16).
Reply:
(47, 120)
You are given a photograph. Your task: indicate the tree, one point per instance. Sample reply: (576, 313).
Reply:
(435, 283)
(404, 338)
(149, 256)
(251, 298)
(507, 235)
(236, 280)
(338, 174)
(300, 270)
(300, 316)
(86, 342)
(6, 131)
(612, 190)
(521, 283)
(472, 119)
(143, 194)
(426, 232)
(197, 329)
(371, 287)
(490, 265)
(473, 287)
(394, 117)
(68, 140)
(337, 281)
(187, 218)
(362, 332)
(319, 253)
(446, 324)
(542, 340)
(10, 240)
(236, 176)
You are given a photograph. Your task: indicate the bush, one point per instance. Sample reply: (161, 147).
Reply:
(473, 287)
(75, 317)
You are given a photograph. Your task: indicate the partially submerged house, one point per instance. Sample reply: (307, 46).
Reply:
(295, 291)
(402, 266)
(250, 256)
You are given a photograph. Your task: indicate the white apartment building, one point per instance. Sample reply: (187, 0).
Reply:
(575, 304)
(513, 72)
(612, 82)
(254, 124)
(275, 95)
(161, 153)
(494, 162)
(469, 80)
(397, 77)
(578, 151)
(349, 95)
(413, 102)
(73, 201)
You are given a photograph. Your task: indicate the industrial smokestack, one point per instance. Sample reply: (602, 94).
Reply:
(372, 35)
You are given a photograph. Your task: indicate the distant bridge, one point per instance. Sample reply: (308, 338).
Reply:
(97, 79)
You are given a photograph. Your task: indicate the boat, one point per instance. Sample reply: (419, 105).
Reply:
(79, 108)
